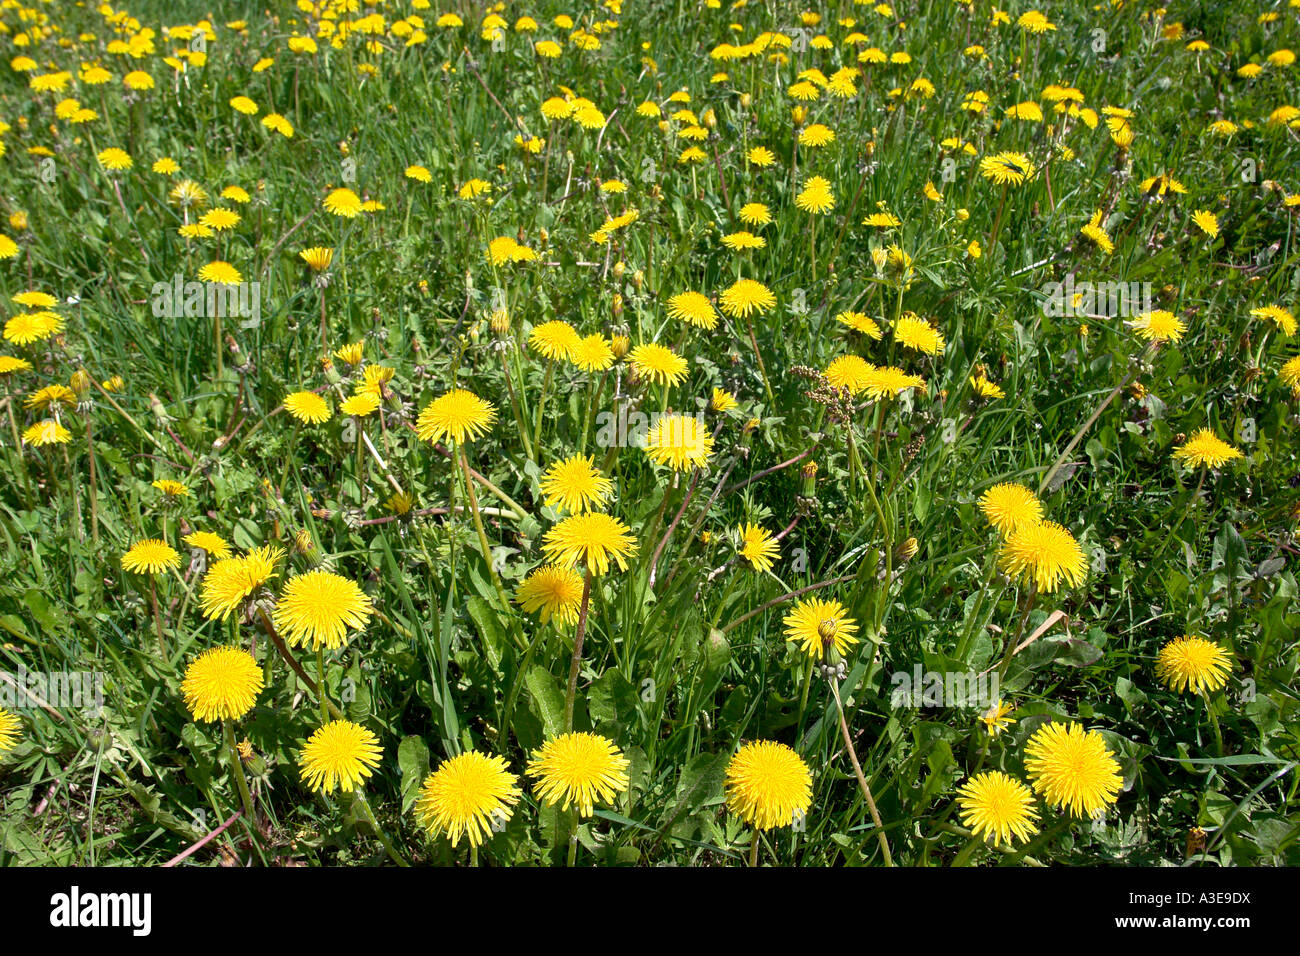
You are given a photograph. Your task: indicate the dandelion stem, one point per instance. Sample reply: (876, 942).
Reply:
(478, 527)
(359, 800)
(576, 664)
(237, 771)
(157, 619)
(862, 780)
(322, 695)
(753, 341)
(541, 404)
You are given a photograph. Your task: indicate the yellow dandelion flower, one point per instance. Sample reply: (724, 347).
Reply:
(339, 754)
(9, 730)
(1044, 553)
(1072, 768)
(578, 769)
(860, 322)
(997, 807)
(551, 591)
(1158, 325)
(466, 796)
(819, 625)
(758, 547)
(746, 296)
(1009, 506)
(591, 539)
(679, 441)
(1193, 664)
(319, 607)
(231, 581)
(222, 683)
(658, 363)
(342, 202)
(575, 485)
(150, 556)
(459, 415)
(1204, 449)
(47, 432)
(555, 339)
(307, 407)
(768, 785)
(913, 332)
(213, 544)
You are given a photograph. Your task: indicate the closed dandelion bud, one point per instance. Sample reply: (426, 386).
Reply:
(619, 345)
(80, 381)
(618, 305)
(254, 763)
(879, 257)
(620, 267)
(663, 126)
(500, 322)
(543, 237)
(751, 426)
(809, 473)
(638, 279)
(907, 550)
(745, 100)
(18, 220)
(710, 119)
(798, 114)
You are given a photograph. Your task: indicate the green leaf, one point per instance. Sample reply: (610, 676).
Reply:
(489, 628)
(547, 699)
(413, 762)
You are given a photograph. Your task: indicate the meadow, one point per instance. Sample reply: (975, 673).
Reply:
(646, 433)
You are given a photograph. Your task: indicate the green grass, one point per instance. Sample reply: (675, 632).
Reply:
(678, 675)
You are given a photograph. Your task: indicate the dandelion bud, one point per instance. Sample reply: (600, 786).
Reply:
(543, 237)
(18, 220)
(745, 100)
(799, 114)
(638, 279)
(879, 257)
(809, 473)
(618, 305)
(619, 345)
(907, 550)
(500, 322)
(710, 119)
(620, 267)
(80, 381)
